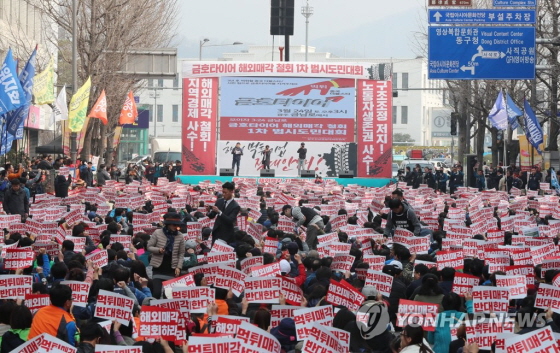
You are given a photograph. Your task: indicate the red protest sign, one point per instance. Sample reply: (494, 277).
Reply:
(227, 324)
(342, 262)
(19, 258)
(36, 301)
(249, 262)
(464, 283)
(451, 258)
(279, 312)
(270, 245)
(184, 281)
(292, 292)
(114, 306)
(342, 293)
(527, 271)
(270, 270)
(417, 313)
(158, 322)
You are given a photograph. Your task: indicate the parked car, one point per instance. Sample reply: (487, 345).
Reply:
(440, 163)
(395, 170)
(412, 163)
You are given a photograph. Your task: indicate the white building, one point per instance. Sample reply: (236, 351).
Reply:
(414, 109)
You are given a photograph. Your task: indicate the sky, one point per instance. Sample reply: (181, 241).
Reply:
(345, 28)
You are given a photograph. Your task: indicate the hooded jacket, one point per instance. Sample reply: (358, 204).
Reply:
(407, 219)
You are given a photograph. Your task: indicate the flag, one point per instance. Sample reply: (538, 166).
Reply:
(117, 136)
(78, 107)
(498, 115)
(60, 107)
(513, 112)
(129, 113)
(12, 95)
(43, 88)
(533, 129)
(99, 110)
(17, 118)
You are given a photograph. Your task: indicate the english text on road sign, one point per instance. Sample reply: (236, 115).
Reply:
(493, 53)
(511, 3)
(497, 17)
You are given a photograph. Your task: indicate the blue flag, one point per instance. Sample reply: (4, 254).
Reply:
(498, 115)
(533, 129)
(513, 112)
(17, 118)
(11, 92)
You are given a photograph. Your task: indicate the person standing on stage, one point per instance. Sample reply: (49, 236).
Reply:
(302, 152)
(266, 157)
(237, 152)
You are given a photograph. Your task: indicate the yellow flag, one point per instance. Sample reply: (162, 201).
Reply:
(78, 107)
(43, 85)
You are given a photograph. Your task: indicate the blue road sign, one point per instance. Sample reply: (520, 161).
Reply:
(472, 53)
(497, 17)
(511, 3)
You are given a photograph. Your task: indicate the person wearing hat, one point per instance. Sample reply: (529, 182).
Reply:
(285, 333)
(167, 246)
(398, 289)
(190, 259)
(307, 217)
(302, 156)
(225, 211)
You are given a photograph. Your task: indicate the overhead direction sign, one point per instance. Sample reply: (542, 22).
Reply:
(450, 3)
(498, 17)
(510, 3)
(492, 53)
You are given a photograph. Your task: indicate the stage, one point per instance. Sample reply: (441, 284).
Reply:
(370, 182)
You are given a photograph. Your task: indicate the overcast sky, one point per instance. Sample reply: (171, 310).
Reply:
(346, 28)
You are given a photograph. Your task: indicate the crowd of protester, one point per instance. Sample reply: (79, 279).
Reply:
(243, 215)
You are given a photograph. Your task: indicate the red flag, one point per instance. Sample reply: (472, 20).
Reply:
(129, 111)
(99, 110)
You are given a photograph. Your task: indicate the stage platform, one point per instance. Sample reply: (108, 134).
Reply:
(370, 182)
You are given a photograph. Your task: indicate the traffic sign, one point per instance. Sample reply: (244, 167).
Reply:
(499, 17)
(472, 53)
(510, 3)
(450, 3)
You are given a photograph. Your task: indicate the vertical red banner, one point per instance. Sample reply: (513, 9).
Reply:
(200, 112)
(375, 128)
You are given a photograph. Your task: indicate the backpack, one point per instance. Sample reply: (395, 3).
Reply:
(10, 341)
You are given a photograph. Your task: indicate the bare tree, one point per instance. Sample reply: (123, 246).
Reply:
(107, 31)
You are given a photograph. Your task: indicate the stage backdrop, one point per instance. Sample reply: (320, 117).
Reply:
(325, 158)
(287, 109)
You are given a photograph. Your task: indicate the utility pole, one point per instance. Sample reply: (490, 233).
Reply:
(73, 135)
(306, 11)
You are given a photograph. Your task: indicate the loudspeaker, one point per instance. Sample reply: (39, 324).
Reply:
(267, 173)
(226, 172)
(307, 173)
(346, 174)
(281, 17)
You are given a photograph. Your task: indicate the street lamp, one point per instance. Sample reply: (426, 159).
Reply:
(306, 11)
(206, 40)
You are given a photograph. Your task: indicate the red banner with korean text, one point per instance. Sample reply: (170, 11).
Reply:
(375, 129)
(200, 111)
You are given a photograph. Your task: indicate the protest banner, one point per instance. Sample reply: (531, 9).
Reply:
(216, 257)
(293, 294)
(270, 270)
(342, 293)
(231, 279)
(262, 289)
(227, 324)
(305, 319)
(105, 348)
(156, 322)
(249, 262)
(197, 297)
(527, 271)
(270, 245)
(464, 283)
(184, 281)
(45, 343)
(321, 340)
(37, 301)
(125, 240)
(16, 258)
(80, 292)
(279, 312)
(15, 286)
(114, 306)
(257, 338)
(221, 246)
(548, 296)
(450, 258)
(490, 299)
(209, 344)
(412, 312)
(342, 262)
(99, 258)
(541, 340)
(485, 332)
(517, 285)
(382, 281)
